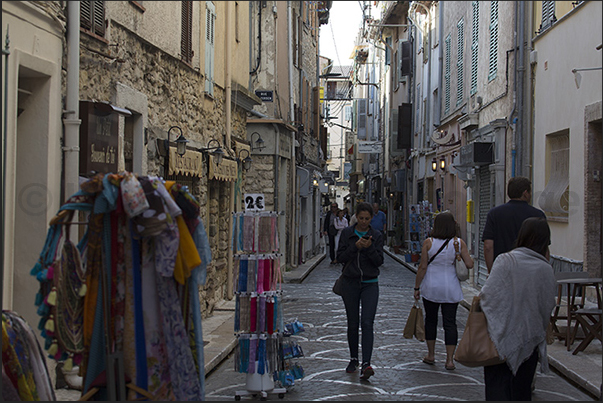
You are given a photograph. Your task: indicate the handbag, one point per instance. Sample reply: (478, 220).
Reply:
(338, 286)
(415, 326)
(461, 268)
(476, 348)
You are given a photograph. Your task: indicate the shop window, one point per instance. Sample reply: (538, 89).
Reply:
(554, 200)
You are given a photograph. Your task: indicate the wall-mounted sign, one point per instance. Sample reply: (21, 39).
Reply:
(226, 171)
(370, 147)
(266, 96)
(187, 164)
(254, 201)
(98, 139)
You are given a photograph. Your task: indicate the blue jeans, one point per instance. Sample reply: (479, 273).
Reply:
(356, 293)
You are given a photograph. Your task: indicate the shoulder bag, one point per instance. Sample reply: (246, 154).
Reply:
(476, 348)
(439, 250)
(461, 268)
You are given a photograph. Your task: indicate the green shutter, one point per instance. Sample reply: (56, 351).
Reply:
(493, 66)
(460, 87)
(474, 45)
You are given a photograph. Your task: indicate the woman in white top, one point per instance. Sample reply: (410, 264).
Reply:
(340, 223)
(437, 282)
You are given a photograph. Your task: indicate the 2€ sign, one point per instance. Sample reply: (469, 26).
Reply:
(254, 201)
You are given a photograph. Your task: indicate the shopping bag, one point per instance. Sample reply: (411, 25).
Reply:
(476, 348)
(415, 325)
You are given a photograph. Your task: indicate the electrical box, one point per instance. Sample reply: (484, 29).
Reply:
(477, 154)
(470, 211)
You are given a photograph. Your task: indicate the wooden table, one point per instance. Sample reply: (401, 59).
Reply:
(573, 284)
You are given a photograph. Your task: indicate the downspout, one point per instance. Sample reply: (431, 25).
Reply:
(296, 202)
(5, 53)
(228, 110)
(438, 105)
(71, 147)
(520, 87)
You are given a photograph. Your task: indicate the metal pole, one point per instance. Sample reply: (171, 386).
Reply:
(6, 53)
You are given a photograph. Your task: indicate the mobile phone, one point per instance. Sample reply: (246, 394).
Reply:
(365, 237)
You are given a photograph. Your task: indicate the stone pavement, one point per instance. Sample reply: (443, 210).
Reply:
(583, 369)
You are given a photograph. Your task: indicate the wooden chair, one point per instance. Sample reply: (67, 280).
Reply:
(590, 320)
(556, 315)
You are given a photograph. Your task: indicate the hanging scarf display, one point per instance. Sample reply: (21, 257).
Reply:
(130, 286)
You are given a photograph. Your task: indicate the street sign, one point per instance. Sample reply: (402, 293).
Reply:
(370, 147)
(265, 96)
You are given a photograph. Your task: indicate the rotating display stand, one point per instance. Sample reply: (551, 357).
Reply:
(258, 320)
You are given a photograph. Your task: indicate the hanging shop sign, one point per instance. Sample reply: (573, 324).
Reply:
(187, 164)
(98, 139)
(370, 147)
(225, 171)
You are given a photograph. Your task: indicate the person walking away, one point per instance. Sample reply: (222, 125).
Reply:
(517, 300)
(361, 252)
(340, 223)
(346, 214)
(503, 222)
(379, 221)
(330, 231)
(437, 283)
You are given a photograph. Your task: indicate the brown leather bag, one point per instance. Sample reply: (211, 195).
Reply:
(476, 348)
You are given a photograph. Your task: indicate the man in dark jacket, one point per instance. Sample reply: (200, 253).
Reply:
(503, 222)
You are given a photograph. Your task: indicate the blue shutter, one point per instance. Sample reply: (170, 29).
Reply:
(447, 76)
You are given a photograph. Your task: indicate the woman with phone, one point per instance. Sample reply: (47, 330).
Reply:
(361, 251)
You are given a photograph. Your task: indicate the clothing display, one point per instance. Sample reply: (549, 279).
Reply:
(127, 295)
(261, 351)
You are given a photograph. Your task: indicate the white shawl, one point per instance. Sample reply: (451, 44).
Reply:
(517, 300)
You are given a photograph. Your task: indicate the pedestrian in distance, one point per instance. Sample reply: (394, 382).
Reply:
(379, 221)
(437, 283)
(330, 231)
(361, 252)
(346, 214)
(503, 222)
(341, 222)
(517, 300)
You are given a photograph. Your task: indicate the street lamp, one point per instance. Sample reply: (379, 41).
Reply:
(216, 151)
(434, 164)
(246, 162)
(259, 143)
(180, 147)
(443, 163)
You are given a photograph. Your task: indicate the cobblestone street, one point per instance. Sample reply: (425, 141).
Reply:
(399, 372)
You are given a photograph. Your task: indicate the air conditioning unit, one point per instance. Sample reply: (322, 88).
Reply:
(477, 154)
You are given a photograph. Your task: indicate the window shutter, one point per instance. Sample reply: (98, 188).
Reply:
(447, 76)
(474, 45)
(362, 111)
(459, 63)
(92, 16)
(388, 51)
(86, 15)
(209, 46)
(393, 133)
(186, 46)
(493, 67)
(404, 126)
(548, 14)
(406, 59)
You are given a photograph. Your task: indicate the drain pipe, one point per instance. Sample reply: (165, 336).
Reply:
(520, 87)
(71, 145)
(297, 218)
(228, 111)
(5, 53)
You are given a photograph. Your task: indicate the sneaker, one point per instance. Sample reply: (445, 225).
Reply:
(352, 366)
(366, 372)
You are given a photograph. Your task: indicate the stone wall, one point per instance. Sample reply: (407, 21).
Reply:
(175, 97)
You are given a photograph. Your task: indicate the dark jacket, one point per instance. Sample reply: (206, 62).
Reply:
(360, 264)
